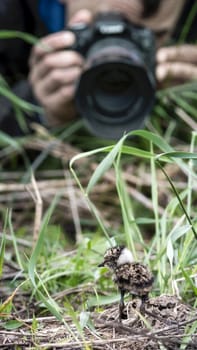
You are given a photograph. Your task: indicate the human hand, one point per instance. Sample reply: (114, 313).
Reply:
(176, 64)
(54, 71)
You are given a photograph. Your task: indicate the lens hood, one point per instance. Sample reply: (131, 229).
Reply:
(115, 92)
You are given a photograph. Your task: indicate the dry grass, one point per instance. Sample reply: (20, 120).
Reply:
(15, 192)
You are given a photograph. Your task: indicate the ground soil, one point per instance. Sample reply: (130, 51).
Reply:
(164, 323)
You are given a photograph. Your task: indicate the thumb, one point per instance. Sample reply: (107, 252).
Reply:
(82, 16)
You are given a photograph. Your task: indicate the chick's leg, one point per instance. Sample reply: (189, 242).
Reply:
(121, 304)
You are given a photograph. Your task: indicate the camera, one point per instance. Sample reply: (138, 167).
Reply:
(116, 90)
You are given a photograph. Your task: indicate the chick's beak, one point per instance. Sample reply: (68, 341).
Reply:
(101, 264)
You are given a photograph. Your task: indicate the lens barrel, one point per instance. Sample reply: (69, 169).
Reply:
(116, 90)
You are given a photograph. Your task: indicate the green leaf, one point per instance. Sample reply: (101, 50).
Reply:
(105, 165)
(136, 152)
(12, 324)
(153, 138)
(181, 155)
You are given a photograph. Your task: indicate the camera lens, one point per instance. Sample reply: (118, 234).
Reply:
(115, 91)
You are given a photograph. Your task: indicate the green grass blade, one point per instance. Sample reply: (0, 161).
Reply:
(51, 305)
(191, 86)
(8, 140)
(137, 152)
(179, 199)
(180, 155)
(131, 229)
(186, 106)
(173, 236)
(153, 138)
(12, 34)
(44, 296)
(26, 106)
(188, 23)
(40, 242)
(20, 264)
(2, 253)
(104, 165)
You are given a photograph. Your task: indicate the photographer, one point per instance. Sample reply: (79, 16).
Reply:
(53, 71)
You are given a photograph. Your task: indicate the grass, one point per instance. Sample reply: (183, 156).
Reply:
(140, 191)
(55, 267)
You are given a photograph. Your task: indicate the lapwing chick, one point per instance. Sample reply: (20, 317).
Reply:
(130, 276)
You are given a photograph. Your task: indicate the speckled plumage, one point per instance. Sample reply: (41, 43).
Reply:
(130, 276)
(111, 257)
(134, 278)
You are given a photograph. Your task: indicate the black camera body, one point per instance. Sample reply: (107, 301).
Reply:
(116, 90)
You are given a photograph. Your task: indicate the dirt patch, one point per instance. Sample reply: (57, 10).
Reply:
(165, 321)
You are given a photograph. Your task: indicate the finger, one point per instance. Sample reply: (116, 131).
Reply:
(61, 39)
(50, 43)
(185, 53)
(177, 71)
(81, 16)
(57, 102)
(64, 59)
(57, 79)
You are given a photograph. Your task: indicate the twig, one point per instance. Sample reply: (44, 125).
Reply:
(38, 208)
(25, 334)
(76, 345)
(18, 240)
(186, 118)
